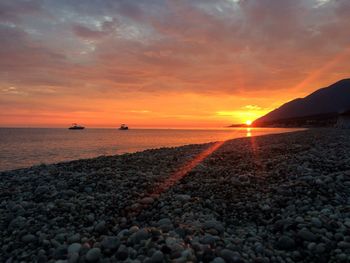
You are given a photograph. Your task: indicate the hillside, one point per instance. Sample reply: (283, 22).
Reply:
(326, 101)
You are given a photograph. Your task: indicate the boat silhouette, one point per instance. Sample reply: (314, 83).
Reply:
(123, 127)
(76, 127)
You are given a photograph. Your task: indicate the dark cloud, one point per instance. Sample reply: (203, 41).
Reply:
(12, 11)
(223, 46)
(26, 61)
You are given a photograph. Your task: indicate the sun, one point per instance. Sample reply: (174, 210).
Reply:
(248, 122)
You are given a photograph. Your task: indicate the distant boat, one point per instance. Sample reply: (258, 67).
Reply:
(123, 127)
(76, 127)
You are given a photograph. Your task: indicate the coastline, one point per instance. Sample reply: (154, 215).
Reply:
(259, 199)
(23, 148)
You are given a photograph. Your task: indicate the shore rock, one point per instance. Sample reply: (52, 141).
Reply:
(275, 198)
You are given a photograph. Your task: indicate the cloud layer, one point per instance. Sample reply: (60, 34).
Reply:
(55, 52)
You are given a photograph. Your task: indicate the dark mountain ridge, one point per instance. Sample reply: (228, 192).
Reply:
(331, 100)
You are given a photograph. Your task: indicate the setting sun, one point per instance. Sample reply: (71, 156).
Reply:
(248, 122)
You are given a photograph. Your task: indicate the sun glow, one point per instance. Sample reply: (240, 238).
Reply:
(248, 122)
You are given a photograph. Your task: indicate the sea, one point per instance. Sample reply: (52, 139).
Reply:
(25, 147)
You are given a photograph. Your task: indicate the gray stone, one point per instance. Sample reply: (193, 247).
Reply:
(70, 193)
(29, 238)
(93, 255)
(208, 240)
(157, 257)
(74, 238)
(73, 258)
(230, 256)
(316, 222)
(320, 248)
(311, 246)
(213, 224)
(140, 235)
(342, 257)
(218, 260)
(132, 229)
(285, 243)
(164, 221)
(91, 218)
(74, 248)
(110, 242)
(122, 253)
(259, 248)
(60, 237)
(344, 245)
(347, 223)
(165, 224)
(101, 227)
(338, 236)
(299, 219)
(88, 189)
(60, 252)
(307, 235)
(42, 190)
(147, 200)
(19, 222)
(183, 198)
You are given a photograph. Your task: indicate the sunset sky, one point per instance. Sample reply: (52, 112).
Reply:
(165, 63)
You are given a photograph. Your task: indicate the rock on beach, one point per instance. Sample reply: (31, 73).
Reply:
(275, 198)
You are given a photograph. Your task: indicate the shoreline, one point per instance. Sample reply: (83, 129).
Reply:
(257, 199)
(138, 151)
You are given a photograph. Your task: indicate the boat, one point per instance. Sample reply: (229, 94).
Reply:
(76, 127)
(123, 127)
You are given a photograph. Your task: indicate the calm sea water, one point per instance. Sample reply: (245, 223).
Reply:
(26, 147)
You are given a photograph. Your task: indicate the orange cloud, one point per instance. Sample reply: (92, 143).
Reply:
(165, 63)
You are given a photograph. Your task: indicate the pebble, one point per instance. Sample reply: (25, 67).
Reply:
(157, 257)
(230, 256)
(73, 257)
(320, 248)
(29, 238)
(183, 198)
(207, 240)
(218, 260)
(164, 221)
(285, 243)
(93, 255)
(133, 229)
(288, 205)
(42, 190)
(147, 200)
(60, 252)
(344, 245)
(122, 253)
(74, 248)
(139, 236)
(299, 219)
(316, 222)
(307, 235)
(101, 227)
(213, 224)
(74, 238)
(110, 242)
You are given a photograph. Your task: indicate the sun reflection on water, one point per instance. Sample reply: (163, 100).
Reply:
(249, 132)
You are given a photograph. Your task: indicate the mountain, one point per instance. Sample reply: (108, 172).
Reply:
(333, 99)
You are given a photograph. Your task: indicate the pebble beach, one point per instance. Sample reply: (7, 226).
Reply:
(274, 198)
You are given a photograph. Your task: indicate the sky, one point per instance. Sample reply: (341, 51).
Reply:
(165, 63)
